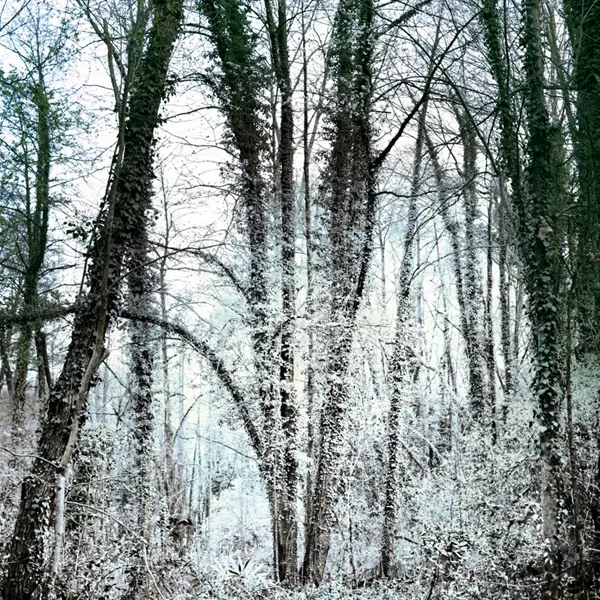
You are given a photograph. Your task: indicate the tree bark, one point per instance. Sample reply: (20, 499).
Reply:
(142, 397)
(5, 335)
(582, 18)
(490, 356)
(504, 293)
(473, 294)
(474, 359)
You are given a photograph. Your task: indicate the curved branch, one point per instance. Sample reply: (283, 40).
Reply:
(217, 365)
(211, 259)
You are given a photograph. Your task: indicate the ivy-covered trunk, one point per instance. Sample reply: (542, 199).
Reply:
(139, 281)
(287, 528)
(509, 178)
(350, 205)
(583, 19)
(27, 573)
(469, 329)
(541, 257)
(240, 88)
(472, 292)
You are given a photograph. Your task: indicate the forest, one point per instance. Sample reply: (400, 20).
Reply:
(299, 299)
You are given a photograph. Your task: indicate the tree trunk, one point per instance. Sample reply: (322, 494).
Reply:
(473, 294)
(142, 366)
(44, 376)
(5, 336)
(399, 365)
(542, 277)
(37, 234)
(511, 171)
(286, 530)
(504, 292)
(474, 360)
(309, 302)
(489, 328)
(582, 19)
(350, 205)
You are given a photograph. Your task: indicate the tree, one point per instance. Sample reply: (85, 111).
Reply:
(582, 20)
(543, 275)
(35, 122)
(403, 353)
(125, 216)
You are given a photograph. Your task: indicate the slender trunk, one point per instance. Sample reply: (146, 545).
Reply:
(171, 473)
(5, 336)
(37, 234)
(286, 527)
(489, 328)
(59, 526)
(20, 378)
(474, 361)
(44, 376)
(400, 359)
(310, 314)
(504, 292)
(519, 305)
(595, 508)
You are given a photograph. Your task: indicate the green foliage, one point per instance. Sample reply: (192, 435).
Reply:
(240, 76)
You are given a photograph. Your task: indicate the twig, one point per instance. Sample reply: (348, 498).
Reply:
(34, 456)
(103, 512)
(151, 573)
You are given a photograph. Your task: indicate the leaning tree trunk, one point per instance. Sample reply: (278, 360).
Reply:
(400, 359)
(475, 362)
(29, 547)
